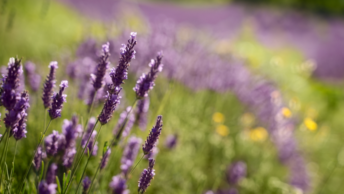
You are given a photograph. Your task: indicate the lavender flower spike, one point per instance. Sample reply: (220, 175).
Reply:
(105, 159)
(86, 183)
(51, 143)
(18, 112)
(11, 83)
(49, 84)
(44, 188)
(141, 113)
(109, 107)
(40, 154)
(51, 174)
(102, 67)
(153, 136)
(58, 100)
(120, 73)
(146, 177)
(236, 172)
(118, 185)
(130, 154)
(146, 82)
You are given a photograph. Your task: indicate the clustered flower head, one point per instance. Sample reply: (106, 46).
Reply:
(146, 177)
(103, 64)
(120, 73)
(44, 188)
(49, 85)
(109, 107)
(171, 141)
(130, 154)
(123, 129)
(146, 81)
(39, 156)
(153, 136)
(236, 172)
(105, 159)
(58, 100)
(15, 119)
(86, 183)
(118, 185)
(141, 113)
(33, 78)
(52, 143)
(10, 83)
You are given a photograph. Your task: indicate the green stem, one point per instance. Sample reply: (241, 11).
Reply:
(88, 159)
(14, 157)
(79, 158)
(85, 125)
(115, 140)
(136, 164)
(4, 135)
(31, 161)
(3, 155)
(94, 177)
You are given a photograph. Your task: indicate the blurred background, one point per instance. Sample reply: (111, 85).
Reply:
(251, 91)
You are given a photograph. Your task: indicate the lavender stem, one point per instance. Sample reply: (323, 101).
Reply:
(31, 161)
(88, 159)
(79, 158)
(14, 157)
(137, 164)
(115, 139)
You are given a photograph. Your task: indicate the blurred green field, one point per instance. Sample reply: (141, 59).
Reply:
(43, 31)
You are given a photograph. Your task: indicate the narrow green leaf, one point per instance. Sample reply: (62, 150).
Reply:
(64, 181)
(58, 184)
(105, 147)
(42, 172)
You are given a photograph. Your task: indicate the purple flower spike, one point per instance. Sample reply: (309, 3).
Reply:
(51, 174)
(105, 159)
(87, 134)
(40, 154)
(141, 113)
(109, 107)
(146, 177)
(70, 130)
(10, 83)
(44, 188)
(118, 185)
(18, 112)
(236, 172)
(121, 120)
(146, 81)
(90, 145)
(68, 157)
(49, 85)
(86, 183)
(33, 78)
(102, 66)
(153, 136)
(120, 73)
(58, 100)
(130, 154)
(171, 141)
(51, 143)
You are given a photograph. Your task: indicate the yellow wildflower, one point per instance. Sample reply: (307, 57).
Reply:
(222, 130)
(218, 117)
(258, 134)
(286, 112)
(310, 124)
